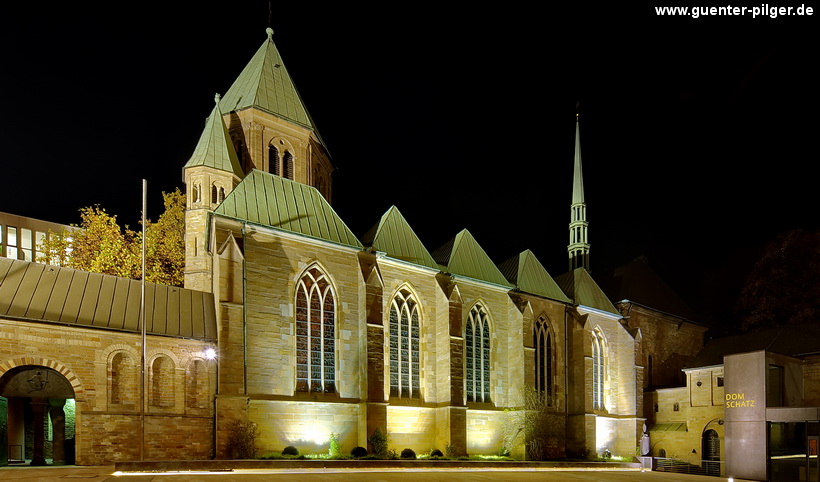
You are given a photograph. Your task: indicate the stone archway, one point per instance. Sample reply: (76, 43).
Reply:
(46, 390)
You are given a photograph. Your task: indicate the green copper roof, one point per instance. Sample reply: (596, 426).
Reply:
(530, 276)
(393, 236)
(269, 200)
(266, 85)
(39, 292)
(583, 291)
(214, 148)
(463, 256)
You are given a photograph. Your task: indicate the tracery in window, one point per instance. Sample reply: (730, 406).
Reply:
(477, 355)
(315, 333)
(404, 346)
(543, 358)
(598, 370)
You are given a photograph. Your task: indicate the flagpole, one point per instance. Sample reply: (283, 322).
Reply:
(142, 326)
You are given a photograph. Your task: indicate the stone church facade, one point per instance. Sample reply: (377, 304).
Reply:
(318, 331)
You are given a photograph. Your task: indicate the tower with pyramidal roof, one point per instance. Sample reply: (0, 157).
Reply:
(260, 124)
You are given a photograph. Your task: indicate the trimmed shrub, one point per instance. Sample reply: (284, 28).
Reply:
(358, 452)
(436, 453)
(379, 441)
(290, 450)
(408, 454)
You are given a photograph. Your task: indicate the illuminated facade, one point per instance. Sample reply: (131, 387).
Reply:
(322, 332)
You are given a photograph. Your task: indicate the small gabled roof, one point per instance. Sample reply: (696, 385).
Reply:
(583, 291)
(463, 256)
(394, 236)
(214, 148)
(43, 293)
(530, 276)
(266, 85)
(269, 200)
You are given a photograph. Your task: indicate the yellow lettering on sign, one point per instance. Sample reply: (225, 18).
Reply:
(738, 401)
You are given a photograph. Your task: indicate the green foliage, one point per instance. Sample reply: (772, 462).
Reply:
(242, 439)
(335, 448)
(408, 454)
(101, 246)
(379, 442)
(290, 450)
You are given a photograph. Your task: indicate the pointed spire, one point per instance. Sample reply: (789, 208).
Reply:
(578, 178)
(266, 85)
(214, 148)
(578, 248)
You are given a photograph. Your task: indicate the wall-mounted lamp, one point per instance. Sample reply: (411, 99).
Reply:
(210, 353)
(694, 451)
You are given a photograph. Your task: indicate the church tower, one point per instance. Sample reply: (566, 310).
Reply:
(261, 123)
(269, 126)
(211, 173)
(578, 247)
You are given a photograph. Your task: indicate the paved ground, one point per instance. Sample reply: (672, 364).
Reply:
(107, 473)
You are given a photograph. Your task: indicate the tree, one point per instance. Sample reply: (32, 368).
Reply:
(537, 425)
(783, 287)
(101, 246)
(165, 243)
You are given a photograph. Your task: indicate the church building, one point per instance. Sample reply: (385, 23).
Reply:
(318, 332)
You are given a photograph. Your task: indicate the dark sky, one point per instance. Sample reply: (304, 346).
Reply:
(699, 135)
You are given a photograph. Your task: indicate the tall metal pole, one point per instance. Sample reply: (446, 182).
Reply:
(142, 326)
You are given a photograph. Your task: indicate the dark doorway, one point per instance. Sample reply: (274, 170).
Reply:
(711, 452)
(40, 415)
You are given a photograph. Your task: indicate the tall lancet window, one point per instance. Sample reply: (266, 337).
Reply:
(273, 160)
(287, 165)
(404, 346)
(543, 359)
(315, 333)
(598, 369)
(477, 355)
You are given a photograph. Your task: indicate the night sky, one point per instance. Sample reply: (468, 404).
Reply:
(699, 136)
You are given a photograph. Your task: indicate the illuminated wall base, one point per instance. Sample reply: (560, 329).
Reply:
(304, 425)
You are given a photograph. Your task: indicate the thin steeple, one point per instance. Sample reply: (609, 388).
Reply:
(578, 248)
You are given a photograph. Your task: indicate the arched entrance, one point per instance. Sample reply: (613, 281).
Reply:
(711, 452)
(35, 392)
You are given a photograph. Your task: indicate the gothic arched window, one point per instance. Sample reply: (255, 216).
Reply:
(287, 165)
(273, 160)
(543, 358)
(477, 355)
(404, 346)
(315, 333)
(598, 370)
